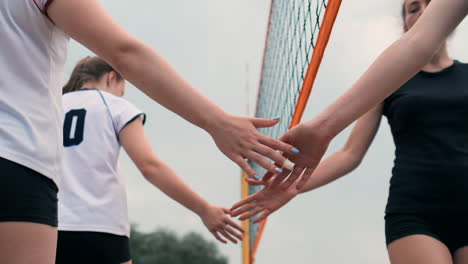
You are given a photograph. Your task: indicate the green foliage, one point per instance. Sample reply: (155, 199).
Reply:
(164, 247)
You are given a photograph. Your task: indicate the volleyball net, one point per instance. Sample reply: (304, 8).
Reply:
(297, 35)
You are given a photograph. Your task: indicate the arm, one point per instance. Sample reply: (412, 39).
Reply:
(163, 177)
(340, 163)
(396, 65)
(88, 23)
(350, 156)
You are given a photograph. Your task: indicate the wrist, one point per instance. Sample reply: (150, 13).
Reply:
(322, 127)
(203, 210)
(213, 121)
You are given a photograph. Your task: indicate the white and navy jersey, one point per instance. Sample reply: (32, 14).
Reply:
(92, 193)
(32, 55)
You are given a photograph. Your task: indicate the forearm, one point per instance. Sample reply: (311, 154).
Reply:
(394, 67)
(165, 179)
(389, 72)
(136, 61)
(163, 84)
(334, 167)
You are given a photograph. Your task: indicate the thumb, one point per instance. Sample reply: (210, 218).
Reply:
(285, 137)
(264, 122)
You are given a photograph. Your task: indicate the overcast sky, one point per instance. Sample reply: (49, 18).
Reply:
(211, 42)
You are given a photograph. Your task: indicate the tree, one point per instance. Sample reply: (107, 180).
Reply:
(164, 247)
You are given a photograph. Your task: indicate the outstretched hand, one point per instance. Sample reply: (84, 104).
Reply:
(266, 201)
(238, 138)
(217, 220)
(313, 145)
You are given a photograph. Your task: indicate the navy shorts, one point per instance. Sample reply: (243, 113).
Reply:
(26, 195)
(449, 228)
(77, 247)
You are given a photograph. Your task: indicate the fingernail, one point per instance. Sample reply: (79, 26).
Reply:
(276, 118)
(295, 150)
(278, 170)
(255, 177)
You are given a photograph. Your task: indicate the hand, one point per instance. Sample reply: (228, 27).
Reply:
(218, 222)
(313, 144)
(268, 200)
(238, 138)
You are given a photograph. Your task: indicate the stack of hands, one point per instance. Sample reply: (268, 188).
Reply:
(295, 156)
(280, 188)
(298, 152)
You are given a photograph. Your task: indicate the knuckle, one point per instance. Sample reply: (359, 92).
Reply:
(284, 187)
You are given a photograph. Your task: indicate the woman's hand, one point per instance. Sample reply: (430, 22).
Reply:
(218, 222)
(313, 143)
(268, 200)
(238, 138)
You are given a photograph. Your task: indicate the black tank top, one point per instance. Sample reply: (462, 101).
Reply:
(428, 117)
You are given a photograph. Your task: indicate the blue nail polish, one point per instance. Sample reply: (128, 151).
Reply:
(257, 177)
(278, 170)
(276, 118)
(295, 150)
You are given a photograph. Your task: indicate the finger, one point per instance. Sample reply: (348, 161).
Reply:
(270, 153)
(218, 237)
(263, 162)
(280, 178)
(244, 201)
(305, 177)
(295, 174)
(245, 166)
(266, 178)
(264, 122)
(235, 225)
(244, 209)
(227, 235)
(262, 217)
(234, 233)
(254, 182)
(278, 145)
(252, 213)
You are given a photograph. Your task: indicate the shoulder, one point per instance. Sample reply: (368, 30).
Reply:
(79, 93)
(461, 65)
(115, 101)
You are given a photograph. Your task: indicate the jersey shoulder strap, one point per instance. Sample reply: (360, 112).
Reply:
(109, 113)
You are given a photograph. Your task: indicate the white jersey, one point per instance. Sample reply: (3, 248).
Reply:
(32, 55)
(92, 193)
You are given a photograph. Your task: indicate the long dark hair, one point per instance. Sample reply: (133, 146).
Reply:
(88, 69)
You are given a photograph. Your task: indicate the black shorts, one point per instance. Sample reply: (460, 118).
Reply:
(92, 247)
(26, 195)
(449, 228)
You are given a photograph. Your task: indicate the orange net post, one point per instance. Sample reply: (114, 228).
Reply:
(322, 41)
(297, 37)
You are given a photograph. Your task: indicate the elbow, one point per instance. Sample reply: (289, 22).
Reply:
(150, 168)
(354, 159)
(124, 54)
(355, 162)
(421, 47)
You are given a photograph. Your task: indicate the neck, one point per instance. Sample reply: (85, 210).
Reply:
(92, 85)
(439, 61)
